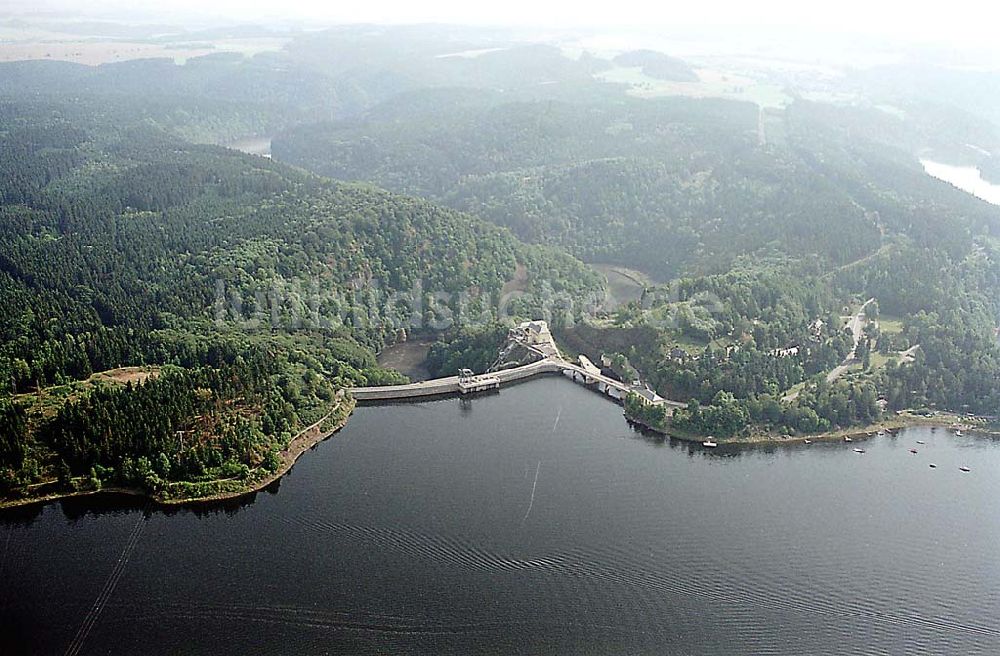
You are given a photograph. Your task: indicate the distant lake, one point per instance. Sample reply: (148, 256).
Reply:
(533, 521)
(966, 178)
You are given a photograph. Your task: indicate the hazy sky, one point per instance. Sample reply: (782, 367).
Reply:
(958, 22)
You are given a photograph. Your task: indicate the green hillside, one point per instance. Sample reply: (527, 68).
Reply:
(123, 245)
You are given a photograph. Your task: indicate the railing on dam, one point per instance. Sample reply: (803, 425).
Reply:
(468, 384)
(535, 338)
(455, 384)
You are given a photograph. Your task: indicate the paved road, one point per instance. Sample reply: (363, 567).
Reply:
(550, 361)
(857, 324)
(840, 370)
(449, 384)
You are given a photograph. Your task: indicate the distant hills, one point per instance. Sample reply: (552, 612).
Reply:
(667, 186)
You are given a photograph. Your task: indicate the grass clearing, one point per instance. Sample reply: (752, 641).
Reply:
(46, 402)
(691, 345)
(890, 325)
(879, 361)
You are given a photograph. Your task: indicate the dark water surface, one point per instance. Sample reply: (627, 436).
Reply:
(534, 521)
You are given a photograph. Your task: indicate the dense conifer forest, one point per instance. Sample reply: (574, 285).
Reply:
(255, 289)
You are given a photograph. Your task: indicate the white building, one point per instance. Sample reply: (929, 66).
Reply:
(531, 333)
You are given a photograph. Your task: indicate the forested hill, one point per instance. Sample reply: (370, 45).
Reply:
(658, 65)
(668, 186)
(326, 75)
(215, 98)
(122, 245)
(131, 228)
(768, 224)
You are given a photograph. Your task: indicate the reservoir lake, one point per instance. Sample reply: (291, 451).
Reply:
(531, 521)
(967, 178)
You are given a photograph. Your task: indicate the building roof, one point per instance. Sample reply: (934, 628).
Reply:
(534, 326)
(649, 395)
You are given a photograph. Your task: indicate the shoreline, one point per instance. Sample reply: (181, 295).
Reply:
(303, 441)
(890, 425)
(315, 433)
(306, 439)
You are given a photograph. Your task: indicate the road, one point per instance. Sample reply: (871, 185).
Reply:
(450, 384)
(857, 324)
(909, 355)
(549, 362)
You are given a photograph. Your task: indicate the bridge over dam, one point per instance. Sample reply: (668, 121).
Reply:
(456, 384)
(495, 380)
(534, 339)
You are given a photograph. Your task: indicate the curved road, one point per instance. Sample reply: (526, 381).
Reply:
(857, 324)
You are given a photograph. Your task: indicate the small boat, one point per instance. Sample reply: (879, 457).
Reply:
(920, 442)
(808, 441)
(965, 469)
(710, 443)
(913, 450)
(881, 433)
(847, 439)
(932, 465)
(958, 433)
(859, 450)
